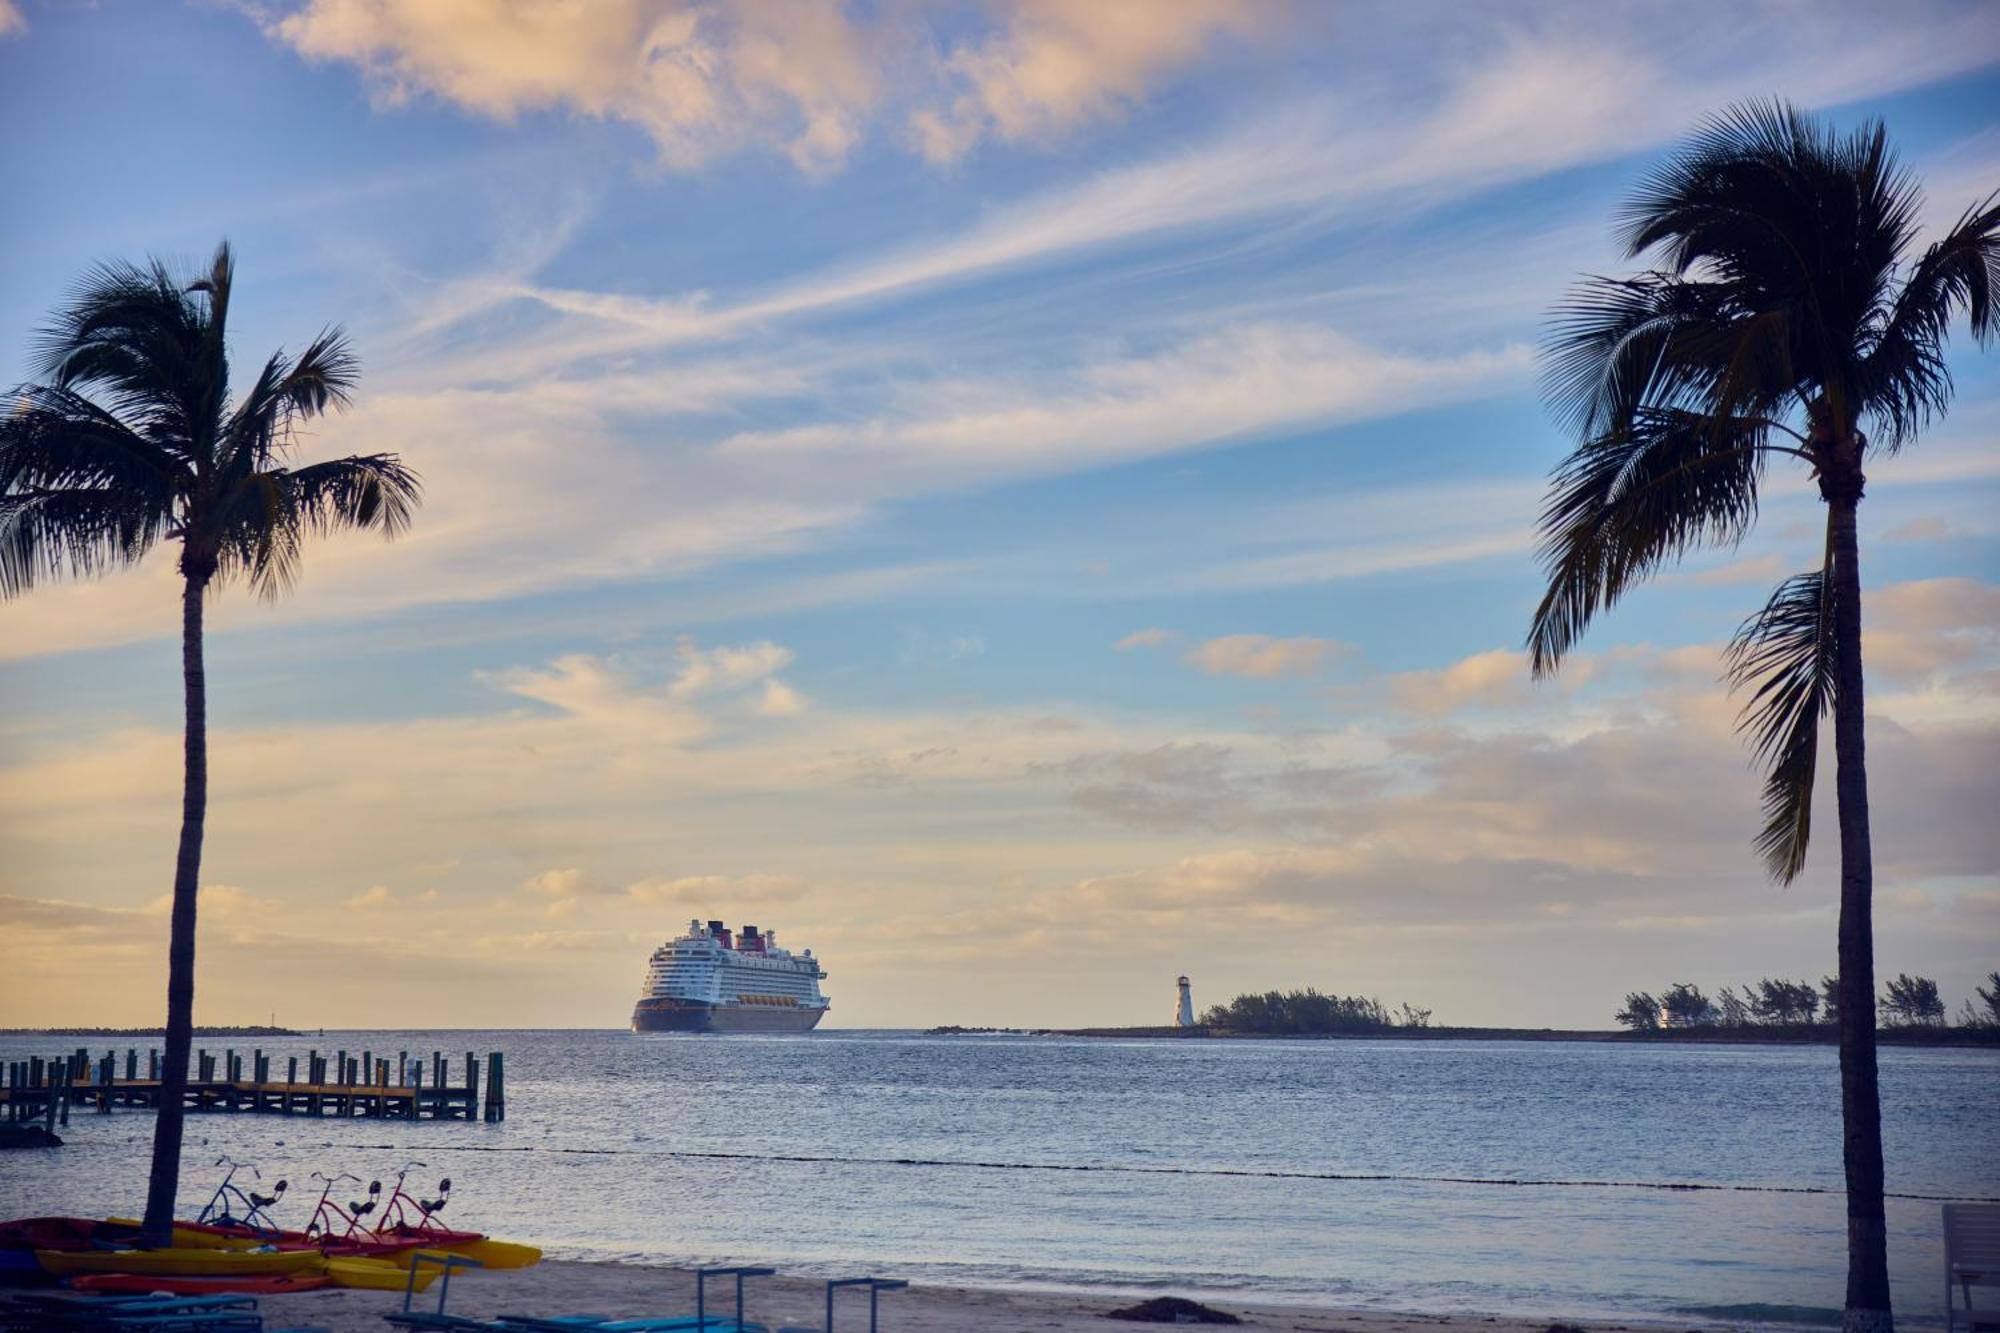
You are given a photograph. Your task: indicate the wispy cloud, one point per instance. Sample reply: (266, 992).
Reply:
(1147, 638)
(1263, 657)
(701, 80)
(1572, 90)
(1057, 64)
(715, 892)
(705, 80)
(1230, 385)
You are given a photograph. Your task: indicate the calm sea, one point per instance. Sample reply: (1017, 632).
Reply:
(1532, 1178)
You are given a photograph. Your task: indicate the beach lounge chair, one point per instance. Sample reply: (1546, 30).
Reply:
(78, 1312)
(597, 1323)
(426, 1321)
(1971, 1260)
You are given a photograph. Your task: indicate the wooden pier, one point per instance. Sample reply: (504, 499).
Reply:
(362, 1085)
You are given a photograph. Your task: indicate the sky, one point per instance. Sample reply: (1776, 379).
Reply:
(1027, 499)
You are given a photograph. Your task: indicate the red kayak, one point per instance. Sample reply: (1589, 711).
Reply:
(352, 1247)
(404, 1234)
(63, 1233)
(140, 1283)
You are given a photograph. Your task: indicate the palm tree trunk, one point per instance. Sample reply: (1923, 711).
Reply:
(163, 1184)
(1860, 1102)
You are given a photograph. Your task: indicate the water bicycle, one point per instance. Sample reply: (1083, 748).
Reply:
(407, 1218)
(234, 1244)
(218, 1210)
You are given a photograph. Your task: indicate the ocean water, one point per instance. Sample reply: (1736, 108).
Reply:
(1518, 1177)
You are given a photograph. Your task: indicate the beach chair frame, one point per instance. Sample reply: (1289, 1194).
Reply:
(1971, 1259)
(876, 1286)
(445, 1261)
(701, 1277)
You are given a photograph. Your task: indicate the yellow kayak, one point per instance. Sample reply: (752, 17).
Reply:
(497, 1253)
(193, 1238)
(376, 1275)
(181, 1262)
(489, 1253)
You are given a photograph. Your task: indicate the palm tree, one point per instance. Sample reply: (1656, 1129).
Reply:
(89, 483)
(1784, 318)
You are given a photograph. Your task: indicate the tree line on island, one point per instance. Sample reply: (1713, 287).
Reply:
(1907, 1002)
(1773, 1003)
(1309, 1013)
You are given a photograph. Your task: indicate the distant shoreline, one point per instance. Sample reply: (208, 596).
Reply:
(1719, 1036)
(254, 1030)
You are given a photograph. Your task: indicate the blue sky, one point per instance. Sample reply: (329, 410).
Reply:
(1031, 499)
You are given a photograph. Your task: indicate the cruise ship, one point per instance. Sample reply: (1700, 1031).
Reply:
(710, 981)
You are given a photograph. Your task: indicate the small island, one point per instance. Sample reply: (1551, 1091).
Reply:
(1911, 1013)
(954, 1030)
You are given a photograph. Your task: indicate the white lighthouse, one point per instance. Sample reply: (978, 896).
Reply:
(1184, 1011)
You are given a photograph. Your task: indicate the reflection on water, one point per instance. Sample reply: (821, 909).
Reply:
(1360, 1172)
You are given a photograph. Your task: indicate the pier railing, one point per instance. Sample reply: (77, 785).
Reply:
(343, 1084)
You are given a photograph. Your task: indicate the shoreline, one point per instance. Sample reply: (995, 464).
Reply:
(631, 1290)
(255, 1030)
(1975, 1038)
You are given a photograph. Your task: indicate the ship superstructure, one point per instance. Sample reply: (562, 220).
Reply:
(711, 981)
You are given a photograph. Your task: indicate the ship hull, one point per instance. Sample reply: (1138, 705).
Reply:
(693, 1016)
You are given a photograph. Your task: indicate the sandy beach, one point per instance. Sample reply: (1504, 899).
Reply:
(630, 1290)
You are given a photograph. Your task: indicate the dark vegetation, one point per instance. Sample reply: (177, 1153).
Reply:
(1907, 1003)
(1308, 1013)
(246, 1030)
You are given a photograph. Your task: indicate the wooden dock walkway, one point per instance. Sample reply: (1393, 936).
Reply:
(45, 1089)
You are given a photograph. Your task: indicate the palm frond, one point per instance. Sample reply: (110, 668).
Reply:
(1790, 223)
(79, 490)
(324, 376)
(131, 335)
(1616, 345)
(260, 524)
(365, 491)
(81, 532)
(1626, 502)
(286, 392)
(257, 534)
(1785, 654)
(54, 438)
(214, 288)
(1707, 198)
(1903, 377)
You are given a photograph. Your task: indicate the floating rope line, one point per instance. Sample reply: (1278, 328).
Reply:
(1357, 1177)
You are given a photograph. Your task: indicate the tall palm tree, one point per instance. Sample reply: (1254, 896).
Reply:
(129, 438)
(1784, 318)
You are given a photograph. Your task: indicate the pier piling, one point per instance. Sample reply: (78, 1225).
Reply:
(496, 1091)
(40, 1089)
